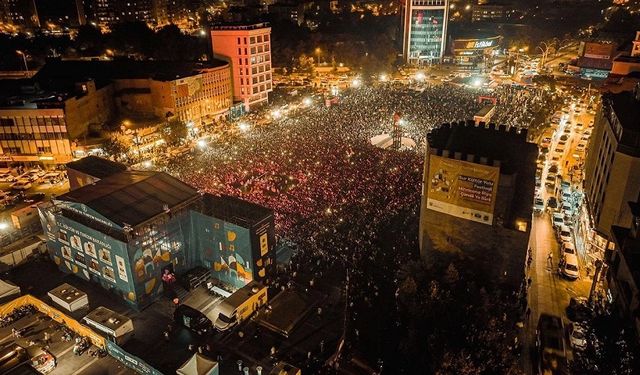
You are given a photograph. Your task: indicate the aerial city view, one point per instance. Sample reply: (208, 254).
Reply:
(339, 187)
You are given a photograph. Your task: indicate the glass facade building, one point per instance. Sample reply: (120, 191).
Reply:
(424, 30)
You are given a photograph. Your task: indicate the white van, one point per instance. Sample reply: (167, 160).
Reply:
(239, 306)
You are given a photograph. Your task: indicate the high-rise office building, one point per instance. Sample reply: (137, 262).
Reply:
(612, 168)
(19, 13)
(424, 25)
(248, 49)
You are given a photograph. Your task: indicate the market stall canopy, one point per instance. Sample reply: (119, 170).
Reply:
(199, 365)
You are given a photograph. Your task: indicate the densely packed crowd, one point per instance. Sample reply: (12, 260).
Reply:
(316, 161)
(332, 191)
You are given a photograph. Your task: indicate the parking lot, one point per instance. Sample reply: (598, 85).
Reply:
(18, 191)
(33, 329)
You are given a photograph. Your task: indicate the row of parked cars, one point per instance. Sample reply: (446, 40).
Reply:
(26, 180)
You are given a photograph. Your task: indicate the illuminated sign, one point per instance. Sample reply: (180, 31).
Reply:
(462, 189)
(475, 43)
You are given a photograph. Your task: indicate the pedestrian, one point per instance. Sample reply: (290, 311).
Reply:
(190, 347)
(166, 335)
(46, 338)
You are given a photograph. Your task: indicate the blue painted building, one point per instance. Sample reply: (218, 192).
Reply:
(126, 229)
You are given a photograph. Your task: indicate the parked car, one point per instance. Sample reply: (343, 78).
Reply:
(557, 220)
(564, 232)
(7, 177)
(21, 185)
(552, 202)
(550, 344)
(578, 336)
(570, 266)
(568, 248)
(538, 205)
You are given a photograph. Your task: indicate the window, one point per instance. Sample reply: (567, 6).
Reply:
(266, 38)
(239, 51)
(239, 61)
(7, 122)
(253, 39)
(259, 38)
(42, 150)
(253, 50)
(238, 40)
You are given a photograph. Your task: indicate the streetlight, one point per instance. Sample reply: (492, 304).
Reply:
(24, 59)
(318, 52)
(4, 226)
(307, 101)
(383, 77)
(420, 76)
(355, 83)
(243, 126)
(202, 144)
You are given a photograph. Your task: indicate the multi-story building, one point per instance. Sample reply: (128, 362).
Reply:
(492, 12)
(126, 230)
(477, 192)
(19, 13)
(67, 99)
(108, 12)
(627, 62)
(612, 177)
(424, 25)
(623, 278)
(248, 49)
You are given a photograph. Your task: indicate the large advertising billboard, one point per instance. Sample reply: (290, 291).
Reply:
(476, 44)
(462, 189)
(598, 50)
(427, 31)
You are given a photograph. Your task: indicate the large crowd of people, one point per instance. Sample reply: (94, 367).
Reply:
(330, 189)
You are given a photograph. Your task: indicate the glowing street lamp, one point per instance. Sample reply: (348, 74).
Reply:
(276, 114)
(383, 77)
(4, 226)
(420, 76)
(355, 83)
(477, 82)
(147, 164)
(307, 101)
(202, 144)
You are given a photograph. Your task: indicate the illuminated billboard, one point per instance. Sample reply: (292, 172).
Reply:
(462, 189)
(476, 44)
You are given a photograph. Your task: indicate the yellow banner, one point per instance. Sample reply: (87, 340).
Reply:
(462, 189)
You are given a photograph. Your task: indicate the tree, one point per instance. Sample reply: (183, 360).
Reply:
(174, 132)
(117, 145)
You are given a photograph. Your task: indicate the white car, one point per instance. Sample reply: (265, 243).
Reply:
(577, 336)
(558, 219)
(564, 232)
(538, 205)
(7, 177)
(21, 185)
(570, 266)
(568, 248)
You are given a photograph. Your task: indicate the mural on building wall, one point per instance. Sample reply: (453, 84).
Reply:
(226, 250)
(88, 254)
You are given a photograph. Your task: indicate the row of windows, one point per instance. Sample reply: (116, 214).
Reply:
(256, 89)
(255, 59)
(254, 50)
(254, 39)
(37, 147)
(39, 120)
(32, 136)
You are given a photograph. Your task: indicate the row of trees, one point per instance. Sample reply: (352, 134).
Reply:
(122, 146)
(125, 39)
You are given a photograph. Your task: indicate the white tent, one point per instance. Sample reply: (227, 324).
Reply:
(199, 365)
(8, 291)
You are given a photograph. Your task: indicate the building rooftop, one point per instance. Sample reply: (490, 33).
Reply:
(592, 63)
(235, 210)
(107, 318)
(61, 74)
(627, 109)
(133, 197)
(96, 166)
(494, 143)
(67, 293)
(239, 26)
